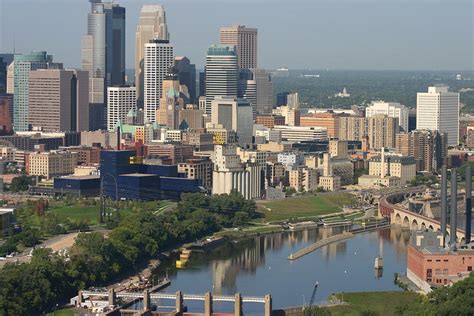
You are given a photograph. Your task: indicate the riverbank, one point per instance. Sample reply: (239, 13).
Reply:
(384, 303)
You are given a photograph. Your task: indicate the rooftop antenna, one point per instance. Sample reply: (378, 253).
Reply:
(14, 48)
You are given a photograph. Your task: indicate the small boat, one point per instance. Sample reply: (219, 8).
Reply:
(180, 264)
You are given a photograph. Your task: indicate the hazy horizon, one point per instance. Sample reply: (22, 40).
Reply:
(348, 35)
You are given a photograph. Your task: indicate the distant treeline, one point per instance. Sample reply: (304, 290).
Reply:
(366, 86)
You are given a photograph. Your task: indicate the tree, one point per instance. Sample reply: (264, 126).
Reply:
(241, 218)
(21, 183)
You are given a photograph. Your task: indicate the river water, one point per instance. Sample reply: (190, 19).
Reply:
(259, 266)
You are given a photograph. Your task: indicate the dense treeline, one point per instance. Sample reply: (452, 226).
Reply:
(365, 86)
(31, 288)
(454, 300)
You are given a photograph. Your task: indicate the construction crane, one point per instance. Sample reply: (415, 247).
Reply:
(311, 302)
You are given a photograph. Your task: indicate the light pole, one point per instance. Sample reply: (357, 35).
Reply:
(102, 196)
(304, 300)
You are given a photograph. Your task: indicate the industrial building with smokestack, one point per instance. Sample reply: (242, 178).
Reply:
(441, 258)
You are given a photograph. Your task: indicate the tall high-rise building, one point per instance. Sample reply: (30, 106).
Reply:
(93, 52)
(103, 48)
(59, 100)
(245, 40)
(293, 100)
(381, 131)
(23, 64)
(10, 88)
(202, 83)
(159, 57)
(186, 75)
(282, 98)
(120, 100)
(352, 128)
(222, 73)
(429, 148)
(151, 25)
(234, 115)
(391, 109)
(264, 83)
(247, 89)
(3, 76)
(438, 110)
(115, 43)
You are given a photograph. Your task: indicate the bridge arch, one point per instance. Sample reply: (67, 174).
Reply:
(398, 219)
(414, 225)
(406, 222)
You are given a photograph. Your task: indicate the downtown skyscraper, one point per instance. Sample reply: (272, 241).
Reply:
(159, 57)
(222, 73)
(103, 48)
(58, 100)
(438, 110)
(23, 64)
(245, 40)
(151, 25)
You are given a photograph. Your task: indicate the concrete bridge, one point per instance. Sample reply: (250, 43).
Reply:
(401, 216)
(179, 298)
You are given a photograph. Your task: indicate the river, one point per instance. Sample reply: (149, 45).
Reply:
(257, 266)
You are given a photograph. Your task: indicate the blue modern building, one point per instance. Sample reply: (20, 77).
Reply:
(83, 186)
(123, 178)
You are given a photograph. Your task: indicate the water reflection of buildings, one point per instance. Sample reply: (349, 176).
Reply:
(398, 237)
(248, 255)
(245, 257)
(331, 250)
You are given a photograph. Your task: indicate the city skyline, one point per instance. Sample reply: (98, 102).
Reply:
(352, 42)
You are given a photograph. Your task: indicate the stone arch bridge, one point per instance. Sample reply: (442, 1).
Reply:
(410, 220)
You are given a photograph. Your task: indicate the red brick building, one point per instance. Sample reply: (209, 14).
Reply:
(85, 155)
(177, 153)
(270, 120)
(6, 119)
(429, 265)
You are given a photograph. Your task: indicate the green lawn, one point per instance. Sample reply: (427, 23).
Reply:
(381, 303)
(306, 206)
(62, 312)
(89, 213)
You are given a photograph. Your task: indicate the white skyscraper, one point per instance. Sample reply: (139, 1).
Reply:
(438, 110)
(159, 57)
(391, 109)
(293, 100)
(222, 73)
(120, 100)
(151, 25)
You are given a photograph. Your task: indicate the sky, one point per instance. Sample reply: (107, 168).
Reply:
(298, 34)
